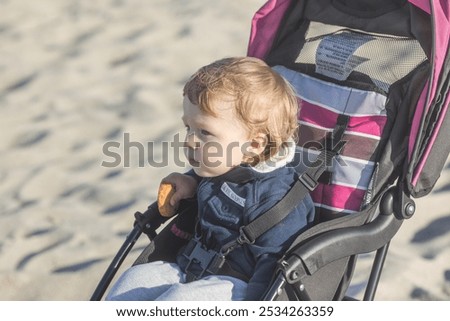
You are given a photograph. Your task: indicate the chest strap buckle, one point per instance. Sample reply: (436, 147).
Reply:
(201, 261)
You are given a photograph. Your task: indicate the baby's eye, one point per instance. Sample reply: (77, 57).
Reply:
(204, 132)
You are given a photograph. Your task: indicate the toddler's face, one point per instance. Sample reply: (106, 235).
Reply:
(214, 145)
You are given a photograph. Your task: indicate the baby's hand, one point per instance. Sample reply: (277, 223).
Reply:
(174, 188)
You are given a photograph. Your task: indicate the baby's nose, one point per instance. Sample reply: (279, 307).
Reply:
(191, 141)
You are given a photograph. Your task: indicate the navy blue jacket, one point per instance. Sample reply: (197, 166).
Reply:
(225, 204)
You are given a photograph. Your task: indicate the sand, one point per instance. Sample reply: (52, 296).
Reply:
(76, 76)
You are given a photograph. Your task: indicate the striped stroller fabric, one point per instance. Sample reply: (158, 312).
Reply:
(353, 169)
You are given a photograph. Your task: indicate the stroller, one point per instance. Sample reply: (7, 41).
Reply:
(373, 80)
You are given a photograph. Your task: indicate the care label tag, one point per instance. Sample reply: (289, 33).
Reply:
(335, 56)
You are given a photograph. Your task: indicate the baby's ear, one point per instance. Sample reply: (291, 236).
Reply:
(258, 143)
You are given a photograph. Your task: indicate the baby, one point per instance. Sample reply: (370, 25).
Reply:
(241, 122)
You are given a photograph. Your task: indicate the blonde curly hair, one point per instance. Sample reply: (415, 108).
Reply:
(264, 101)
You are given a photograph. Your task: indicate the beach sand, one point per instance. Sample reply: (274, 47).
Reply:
(79, 77)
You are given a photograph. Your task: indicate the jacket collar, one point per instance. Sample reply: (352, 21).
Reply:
(246, 173)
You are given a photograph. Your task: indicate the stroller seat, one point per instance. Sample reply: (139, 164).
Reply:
(372, 78)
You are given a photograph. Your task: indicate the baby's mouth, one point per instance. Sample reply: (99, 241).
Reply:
(191, 158)
(193, 162)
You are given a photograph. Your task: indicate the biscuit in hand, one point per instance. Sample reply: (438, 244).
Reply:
(165, 193)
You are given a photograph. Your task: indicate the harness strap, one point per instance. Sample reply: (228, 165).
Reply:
(226, 269)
